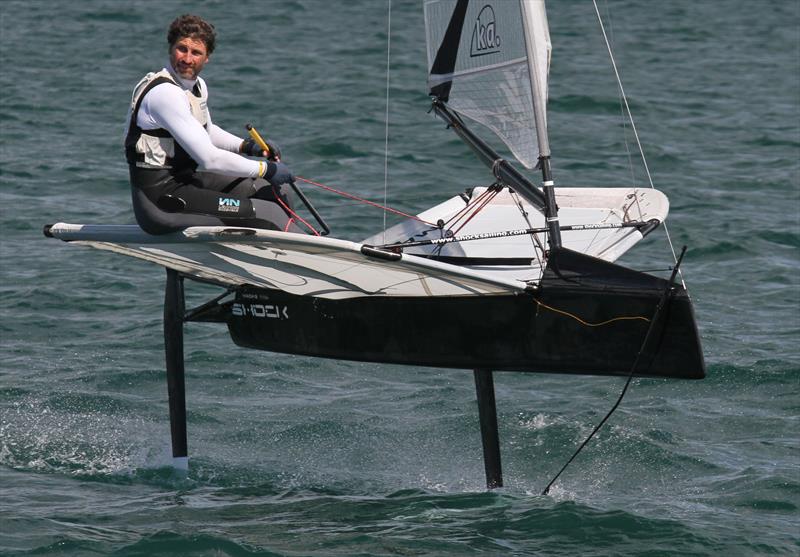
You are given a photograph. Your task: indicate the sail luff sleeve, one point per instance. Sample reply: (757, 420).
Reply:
(445, 62)
(538, 48)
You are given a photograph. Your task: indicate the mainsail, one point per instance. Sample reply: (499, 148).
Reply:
(489, 61)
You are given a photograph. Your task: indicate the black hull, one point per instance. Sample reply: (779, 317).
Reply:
(588, 317)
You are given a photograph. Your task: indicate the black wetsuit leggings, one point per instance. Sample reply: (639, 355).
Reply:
(165, 202)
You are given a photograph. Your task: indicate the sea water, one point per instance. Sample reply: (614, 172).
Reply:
(298, 456)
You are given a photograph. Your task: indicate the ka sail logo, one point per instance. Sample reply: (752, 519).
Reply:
(485, 39)
(229, 205)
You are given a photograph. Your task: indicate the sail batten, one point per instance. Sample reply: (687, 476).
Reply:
(439, 78)
(489, 61)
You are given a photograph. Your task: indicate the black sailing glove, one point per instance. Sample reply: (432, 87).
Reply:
(278, 173)
(250, 148)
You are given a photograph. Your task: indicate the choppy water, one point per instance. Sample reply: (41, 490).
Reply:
(296, 456)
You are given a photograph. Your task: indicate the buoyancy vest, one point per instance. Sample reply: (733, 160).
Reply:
(157, 149)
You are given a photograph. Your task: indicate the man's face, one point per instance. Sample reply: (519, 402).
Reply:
(188, 56)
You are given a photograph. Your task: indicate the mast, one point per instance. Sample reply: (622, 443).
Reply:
(537, 46)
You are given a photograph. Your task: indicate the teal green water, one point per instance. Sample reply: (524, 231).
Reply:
(297, 456)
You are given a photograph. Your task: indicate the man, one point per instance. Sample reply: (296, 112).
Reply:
(186, 171)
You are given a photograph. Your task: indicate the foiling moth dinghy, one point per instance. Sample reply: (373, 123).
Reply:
(506, 277)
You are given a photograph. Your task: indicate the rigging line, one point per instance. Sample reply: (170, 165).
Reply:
(467, 213)
(386, 139)
(471, 204)
(471, 210)
(477, 210)
(534, 238)
(633, 125)
(364, 201)
(621, 105)
(622, 91)
(664, 296)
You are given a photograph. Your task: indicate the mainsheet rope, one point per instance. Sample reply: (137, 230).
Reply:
(362, 200)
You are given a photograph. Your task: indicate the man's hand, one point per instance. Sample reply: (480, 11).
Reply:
(251, 148)
(278, 173)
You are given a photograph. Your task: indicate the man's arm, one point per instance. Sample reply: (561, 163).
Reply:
(168, 108)
(219, 137)
(223, 139)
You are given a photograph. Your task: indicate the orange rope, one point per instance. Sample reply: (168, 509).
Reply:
(581, 321)
(293, 214)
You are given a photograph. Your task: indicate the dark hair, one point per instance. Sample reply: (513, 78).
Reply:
(194, 27)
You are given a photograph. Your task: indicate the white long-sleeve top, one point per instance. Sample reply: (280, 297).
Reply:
(215, 150)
